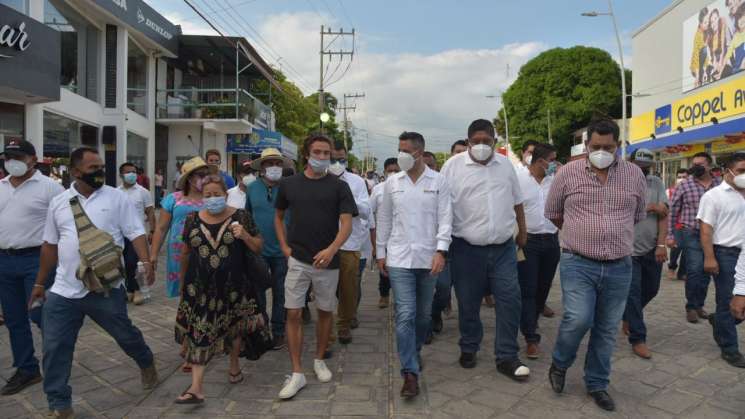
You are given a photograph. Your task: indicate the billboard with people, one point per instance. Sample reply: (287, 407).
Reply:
(713, 43)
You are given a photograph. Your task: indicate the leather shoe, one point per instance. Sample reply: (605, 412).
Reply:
(410, 387)
(557, 377)
(345, 336)
(702, 314)
(603, 400)
(19, 381)
(734, 358)
(531, 351)
(467, 360)
(641, 350)
(692, 316)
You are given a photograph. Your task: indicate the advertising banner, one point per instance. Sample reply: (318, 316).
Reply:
(140, 16)
(254, 142)
(713, 43)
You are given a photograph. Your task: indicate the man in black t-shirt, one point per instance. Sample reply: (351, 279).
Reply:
(322, 208)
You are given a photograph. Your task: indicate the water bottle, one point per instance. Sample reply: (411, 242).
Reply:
(142, 281)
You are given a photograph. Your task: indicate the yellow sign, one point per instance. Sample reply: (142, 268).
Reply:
(681, 151)
(723, 101)
(728, 146)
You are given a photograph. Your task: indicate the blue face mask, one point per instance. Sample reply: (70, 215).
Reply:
(130, 178)
(551, 170)
(215, 204)
(319, 166)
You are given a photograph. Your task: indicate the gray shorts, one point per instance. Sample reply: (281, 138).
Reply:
(299, 277)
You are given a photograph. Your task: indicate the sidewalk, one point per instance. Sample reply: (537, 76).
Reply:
(685, 378)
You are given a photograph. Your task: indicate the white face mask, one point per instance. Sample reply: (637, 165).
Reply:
(273, 173)
(481, 152)
(601, 159)
(16, 168)
(337, 169)
(528, 159)
(405, 161)
(679, 180)
(248, 179)
(739, 180)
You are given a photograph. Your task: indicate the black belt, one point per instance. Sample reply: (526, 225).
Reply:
(20, 252)
(542, 235)
(569, 252)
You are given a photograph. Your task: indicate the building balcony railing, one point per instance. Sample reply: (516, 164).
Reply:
(193, 103)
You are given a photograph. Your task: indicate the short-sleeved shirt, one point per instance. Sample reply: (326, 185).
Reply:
(109, 210)
(723, 208)
(645, 233)
(259, 202)
(316, 205)
(229, 181)
(140, 198)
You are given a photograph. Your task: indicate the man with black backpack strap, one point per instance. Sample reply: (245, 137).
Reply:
(89, 275)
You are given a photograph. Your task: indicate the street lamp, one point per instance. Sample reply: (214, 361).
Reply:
(624, 127)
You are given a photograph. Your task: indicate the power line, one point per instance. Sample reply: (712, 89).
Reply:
(313, 6)
(344, 10)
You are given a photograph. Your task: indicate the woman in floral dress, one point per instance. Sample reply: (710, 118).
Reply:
(219, 311)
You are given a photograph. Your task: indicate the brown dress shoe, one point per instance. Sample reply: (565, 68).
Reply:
(411, 386)
(642, 350)
(149, 377)
(531, 351)
(702, 314)
(345, 336)
(547, 312)
(692, 316)
(625, 328)
(383, 303)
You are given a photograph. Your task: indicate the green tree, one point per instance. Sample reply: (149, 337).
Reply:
(575, 83)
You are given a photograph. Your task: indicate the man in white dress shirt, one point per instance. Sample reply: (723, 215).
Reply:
(721, 213)
(413, 237)
(542, 251)
(487, 209)
(68, 302)
(237, 194)
(25, 195)
(390, 168)
(143, 203)
(349, 254)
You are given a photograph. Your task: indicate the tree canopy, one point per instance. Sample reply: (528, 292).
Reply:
(575, 84)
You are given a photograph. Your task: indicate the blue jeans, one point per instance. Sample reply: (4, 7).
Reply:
(278, 269)
(724, 282)
(63, 318)
(412, 294)
(478, 270)
(130, 267)
(17, 277)
(384, 285)
(594, 297)
(697, 283)
(678, 256)
(536, 274)
(443, 289)
(645, 284)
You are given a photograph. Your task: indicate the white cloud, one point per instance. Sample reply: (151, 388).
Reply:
(190, 26)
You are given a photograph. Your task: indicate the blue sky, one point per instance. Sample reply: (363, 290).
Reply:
(425, 65)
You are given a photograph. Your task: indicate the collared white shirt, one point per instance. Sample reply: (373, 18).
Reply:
(140, 198)
(376, 200)
(414, 220)
(360, 232)
(534, 201)
(484, 197)
(236, 198)
(740, 269)
(723, 208)
(109, 210)
(23, 210)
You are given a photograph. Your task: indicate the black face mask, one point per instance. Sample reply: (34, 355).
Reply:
(697, 170)
(646, 170)
(95, 179)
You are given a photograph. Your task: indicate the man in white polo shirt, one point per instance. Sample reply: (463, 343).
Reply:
(68, 302)
(721, 214)
(487, 209)
(143, 203)
(25, 195)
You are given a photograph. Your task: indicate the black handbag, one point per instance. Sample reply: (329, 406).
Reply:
(258, 271)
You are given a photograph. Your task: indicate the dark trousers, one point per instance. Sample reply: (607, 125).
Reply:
(17, 277)
(697, 283)
(645, 284)
(384, 285)
(443, 292)
(678, 256)
(278, 269)
(476, 270)
(130, 267)
(158, 196)
(725, 331)
(63, 318)
(536, 273)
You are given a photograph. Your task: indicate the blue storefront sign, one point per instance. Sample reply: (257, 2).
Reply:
(662, 120)
(254, 142)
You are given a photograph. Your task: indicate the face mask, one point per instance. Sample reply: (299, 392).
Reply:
(319, 167)
(551, 169)
(215, 204)
(16, 168)
(601, 159)
(481, 152)
(248, 179)
(698, 170)
(337, 169)
(273, 173)
(130, 178)
(405, 161)
(646, 170)
(739, 180)
(197, 184)
(95, 180)
(678, 181)
(528, 159)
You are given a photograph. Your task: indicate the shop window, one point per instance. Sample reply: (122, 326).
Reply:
(62, 136)
(79, 48)
(19, 5)
(137, 150)
(12, 119)
(136, 79)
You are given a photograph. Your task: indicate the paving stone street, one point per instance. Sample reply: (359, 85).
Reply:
(685, 378)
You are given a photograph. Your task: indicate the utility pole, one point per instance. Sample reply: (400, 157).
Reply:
(344, 109)
(326, 32)
(550, 140)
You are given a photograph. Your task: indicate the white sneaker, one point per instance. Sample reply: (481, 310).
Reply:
(292, 385)
(322, 371)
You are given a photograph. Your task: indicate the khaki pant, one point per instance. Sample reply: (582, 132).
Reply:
(349, 266)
